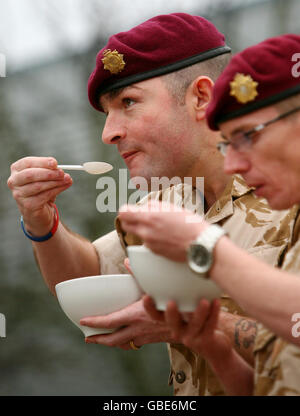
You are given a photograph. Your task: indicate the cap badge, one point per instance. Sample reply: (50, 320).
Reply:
(243, 88)
(113, 61)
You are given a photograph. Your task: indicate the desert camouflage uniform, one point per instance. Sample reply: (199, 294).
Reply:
(250, 223)
(277, 362)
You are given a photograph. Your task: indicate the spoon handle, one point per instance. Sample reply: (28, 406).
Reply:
(71, 167)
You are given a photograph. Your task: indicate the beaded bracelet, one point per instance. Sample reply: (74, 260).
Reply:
(44, 237)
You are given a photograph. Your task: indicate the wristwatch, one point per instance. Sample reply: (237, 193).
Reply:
(200, 252)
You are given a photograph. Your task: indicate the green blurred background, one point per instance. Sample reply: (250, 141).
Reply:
(50, 49)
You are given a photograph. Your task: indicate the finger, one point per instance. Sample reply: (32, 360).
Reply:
(174, 320)
(35, 203)
(131, 209)
(128, 347)
(162, 248)
(125, 347)
(134, 215)
(35, 189)
(204, 330)
(127, 265)
(120, 337)
(163, 207)
(186, 316)
(107, 321)
(150, 308)
(193, 337)
(30, 175)
(212, 321)
(140, 230)
(129, 214)
(199, 317)
(112, 320)
(101, 340)
(130, 227)
(34, 162)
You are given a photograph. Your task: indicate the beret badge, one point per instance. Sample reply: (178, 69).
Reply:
(243, 88)
(113, 61)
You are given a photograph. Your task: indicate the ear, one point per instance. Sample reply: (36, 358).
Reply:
(202, 89)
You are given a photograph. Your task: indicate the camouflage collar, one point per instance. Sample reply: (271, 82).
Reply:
(238, 187)
(223, 207)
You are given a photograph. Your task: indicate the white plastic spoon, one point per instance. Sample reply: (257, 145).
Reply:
(95, 168)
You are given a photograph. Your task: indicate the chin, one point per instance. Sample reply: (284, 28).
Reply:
(140, 179)
(278, 205)
(282, 203)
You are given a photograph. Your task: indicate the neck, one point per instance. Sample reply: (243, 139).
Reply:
(214, 188)
(215, 180)
(209, 164)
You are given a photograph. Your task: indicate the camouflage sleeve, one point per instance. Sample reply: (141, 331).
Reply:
(277, 367)
(111, 254)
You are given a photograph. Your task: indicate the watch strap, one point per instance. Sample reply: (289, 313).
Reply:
(210, 236)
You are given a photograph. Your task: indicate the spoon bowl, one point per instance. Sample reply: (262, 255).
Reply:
(94, 168)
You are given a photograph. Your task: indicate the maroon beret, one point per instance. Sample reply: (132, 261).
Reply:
(163, 44)
(255, 78)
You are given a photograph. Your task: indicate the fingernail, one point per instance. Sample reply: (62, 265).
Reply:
(90, 340)
(51, 163)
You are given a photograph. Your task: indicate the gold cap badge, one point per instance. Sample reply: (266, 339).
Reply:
(113, 61)
(243, 88)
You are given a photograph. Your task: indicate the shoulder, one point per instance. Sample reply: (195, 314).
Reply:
(182, 194)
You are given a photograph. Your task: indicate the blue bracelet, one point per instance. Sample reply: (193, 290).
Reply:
(44, 237)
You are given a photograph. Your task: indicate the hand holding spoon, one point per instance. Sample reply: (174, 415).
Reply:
(94, 168)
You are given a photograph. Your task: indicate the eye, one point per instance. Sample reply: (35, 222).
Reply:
(251, 136)
(128, 102)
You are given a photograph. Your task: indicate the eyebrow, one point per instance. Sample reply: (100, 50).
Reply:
(242, 129)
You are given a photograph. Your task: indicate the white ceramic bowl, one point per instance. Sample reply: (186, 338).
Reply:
(166, 280)
(96, 295)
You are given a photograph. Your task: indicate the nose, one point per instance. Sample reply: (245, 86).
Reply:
(113, 130)
(236, 162)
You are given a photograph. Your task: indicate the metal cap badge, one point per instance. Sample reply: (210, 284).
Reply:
(243, 88)
(113, 61)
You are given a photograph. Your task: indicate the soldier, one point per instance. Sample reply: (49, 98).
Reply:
(256, 106)
(154, 87)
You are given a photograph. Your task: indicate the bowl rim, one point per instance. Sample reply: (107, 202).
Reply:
(139, 248)
(103, 276)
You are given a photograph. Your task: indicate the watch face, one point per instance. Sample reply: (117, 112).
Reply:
(200, 258)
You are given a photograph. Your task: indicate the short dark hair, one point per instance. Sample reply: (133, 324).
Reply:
(177, 82)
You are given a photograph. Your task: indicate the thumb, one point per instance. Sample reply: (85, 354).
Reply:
(127, 265)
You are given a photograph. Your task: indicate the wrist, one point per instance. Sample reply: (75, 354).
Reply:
(41, 236)
(40, 222)
(221, 360)
(201, 252)
(222, 258)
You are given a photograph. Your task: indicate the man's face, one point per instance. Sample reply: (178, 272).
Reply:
(151, 131)
(270, 162)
